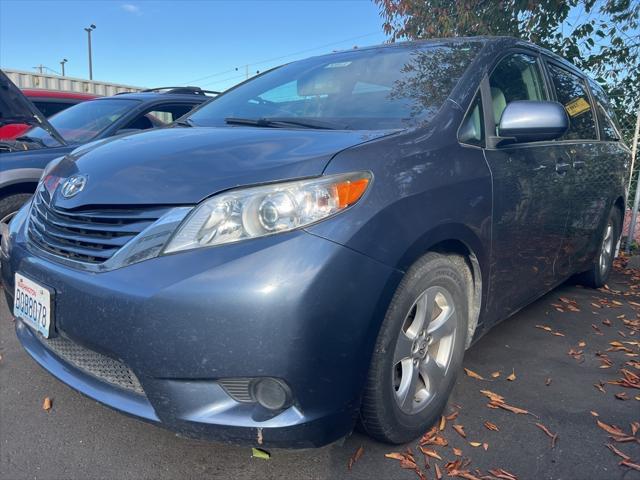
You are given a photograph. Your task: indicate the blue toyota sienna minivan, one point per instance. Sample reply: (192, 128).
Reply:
(317, 247)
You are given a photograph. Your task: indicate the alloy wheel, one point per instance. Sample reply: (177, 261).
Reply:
(7, 218)
(606, 251)
(424, 349)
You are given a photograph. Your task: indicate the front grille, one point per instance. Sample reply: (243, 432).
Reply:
(98, 365)
(91, 236)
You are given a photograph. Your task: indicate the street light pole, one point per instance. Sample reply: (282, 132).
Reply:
(64, 60)
(89, 29)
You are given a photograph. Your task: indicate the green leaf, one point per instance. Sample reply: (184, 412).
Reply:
(259, 453)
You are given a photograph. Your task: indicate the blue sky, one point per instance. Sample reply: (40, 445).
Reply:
(154, 43)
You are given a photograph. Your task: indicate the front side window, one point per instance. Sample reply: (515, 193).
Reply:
(572, 93)
(471, 131)
(384, 88)
(516, 77)
(84, 121)
(607, 119)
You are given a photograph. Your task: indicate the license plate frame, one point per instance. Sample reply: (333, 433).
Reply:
(33, 304)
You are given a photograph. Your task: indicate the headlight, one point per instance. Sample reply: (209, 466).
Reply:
(258, 211)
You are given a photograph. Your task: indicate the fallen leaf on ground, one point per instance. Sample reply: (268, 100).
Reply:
(430, 453)
(475, 444)
(47, 404)
(502, 474)
(618, 452)
(355, 457)
(630, 464)
(457, 452)
(491, 426)
(472, 374)
(595, 414)
(438, 472)
(395, 455)
(512, 377)
(259, 453)
(600, 386)
(621, 396)
(495, 374)
(452, 416)
(552, 436)
(460, 430)
(547, 382)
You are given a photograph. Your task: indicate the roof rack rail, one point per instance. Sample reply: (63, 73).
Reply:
(181, 90)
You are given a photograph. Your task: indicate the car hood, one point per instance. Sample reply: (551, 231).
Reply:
(182, 166)
(16, 108)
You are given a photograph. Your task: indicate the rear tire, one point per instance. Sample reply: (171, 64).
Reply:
(415, 362)
(10, 205)
(597, 276)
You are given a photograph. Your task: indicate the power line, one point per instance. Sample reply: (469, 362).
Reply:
(283, 56)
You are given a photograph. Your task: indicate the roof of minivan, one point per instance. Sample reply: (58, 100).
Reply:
(486, 40)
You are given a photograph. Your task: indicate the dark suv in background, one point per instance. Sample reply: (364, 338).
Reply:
(22, 159)
(319, 245)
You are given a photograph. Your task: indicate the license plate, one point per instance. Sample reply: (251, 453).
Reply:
(32, 303)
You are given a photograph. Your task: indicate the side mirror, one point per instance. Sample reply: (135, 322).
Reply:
(533, 121)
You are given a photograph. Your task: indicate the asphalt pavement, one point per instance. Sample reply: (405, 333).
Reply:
(81, 439)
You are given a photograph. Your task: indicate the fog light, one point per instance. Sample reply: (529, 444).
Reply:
(272, 393)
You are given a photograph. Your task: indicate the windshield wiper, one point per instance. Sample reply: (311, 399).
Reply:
(278, 122)
(28, 139)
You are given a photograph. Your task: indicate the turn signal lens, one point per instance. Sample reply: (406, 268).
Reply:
(349, 192)
(258, 211)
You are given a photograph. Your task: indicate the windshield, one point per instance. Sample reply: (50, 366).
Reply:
(383, 88)
(84, 121)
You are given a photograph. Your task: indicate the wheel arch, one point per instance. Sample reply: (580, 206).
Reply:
(20, 187)
(466, 250)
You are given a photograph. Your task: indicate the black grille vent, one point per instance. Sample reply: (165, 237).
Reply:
(238, 388)
(91, 236)
(100, 366)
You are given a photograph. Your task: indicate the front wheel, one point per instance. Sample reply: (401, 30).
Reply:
(418, 352)
(599, 272)
(10, 205)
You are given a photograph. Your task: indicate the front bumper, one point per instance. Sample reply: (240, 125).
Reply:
(293, 306)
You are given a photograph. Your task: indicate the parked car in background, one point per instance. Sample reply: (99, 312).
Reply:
(49, 102)
(321, 243)
(23, 159)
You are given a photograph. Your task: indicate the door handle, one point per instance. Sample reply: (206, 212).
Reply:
(579, 164)
(562, 167)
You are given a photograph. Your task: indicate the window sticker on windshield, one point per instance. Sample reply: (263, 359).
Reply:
(338, 65)
(577, 106)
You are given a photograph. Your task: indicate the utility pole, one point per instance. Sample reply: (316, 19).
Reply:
(40, 68)
(636, 201)
(90, 29)
(64, 60)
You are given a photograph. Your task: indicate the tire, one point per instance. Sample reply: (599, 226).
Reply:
(393, 411)
(10, 205)
(597, 276)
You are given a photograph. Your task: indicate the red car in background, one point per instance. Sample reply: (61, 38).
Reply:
(49, 102)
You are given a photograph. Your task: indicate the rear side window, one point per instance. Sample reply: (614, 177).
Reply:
(516, 77)
(609, 129)
(572, 93)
